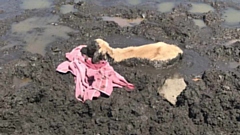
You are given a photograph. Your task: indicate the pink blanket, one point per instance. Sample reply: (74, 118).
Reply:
(91, 79)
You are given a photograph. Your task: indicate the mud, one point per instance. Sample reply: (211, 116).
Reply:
(35, 99)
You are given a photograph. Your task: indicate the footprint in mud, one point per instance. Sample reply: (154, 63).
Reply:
(38, 32)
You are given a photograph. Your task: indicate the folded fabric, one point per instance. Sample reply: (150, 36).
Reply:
(91, 79)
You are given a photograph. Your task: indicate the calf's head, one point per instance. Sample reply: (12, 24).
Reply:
(92, 51)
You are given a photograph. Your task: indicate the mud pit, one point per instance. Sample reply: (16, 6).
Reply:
(35, 99)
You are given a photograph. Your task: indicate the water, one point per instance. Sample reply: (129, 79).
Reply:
(232, 17)
(35, 4)
(200, 8)
(67, 9)
(123, 22)
(134, 2)
(165, 6)
(37, 32)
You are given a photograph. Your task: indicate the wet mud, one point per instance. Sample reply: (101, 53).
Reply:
(35, 99)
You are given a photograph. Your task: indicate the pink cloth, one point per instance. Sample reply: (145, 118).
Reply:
(91, 79)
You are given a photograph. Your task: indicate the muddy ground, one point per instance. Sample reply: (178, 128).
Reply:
(44, 103)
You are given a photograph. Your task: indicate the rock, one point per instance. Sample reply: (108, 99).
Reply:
(172, 88)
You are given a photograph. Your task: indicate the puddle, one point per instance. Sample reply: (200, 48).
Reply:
(231, 16)
(18, 83)
(35, 4)
(193, 63)
(67, 9)
(172, 88)
(38, 32)
(166, 7)
(123, 22)
(199, 23)
(200, 8)
(134, 2)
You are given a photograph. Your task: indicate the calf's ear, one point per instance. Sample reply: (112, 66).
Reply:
(84, 51)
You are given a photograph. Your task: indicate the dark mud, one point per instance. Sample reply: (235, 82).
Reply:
(46, 104)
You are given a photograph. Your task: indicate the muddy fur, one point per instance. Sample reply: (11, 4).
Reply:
(158, 54)
(159, 51)
(92, 51)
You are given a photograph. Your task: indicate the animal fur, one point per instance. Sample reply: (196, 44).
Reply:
(159, 51)
(91, 51)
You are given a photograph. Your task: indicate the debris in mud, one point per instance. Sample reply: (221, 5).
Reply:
(172, 88)
(197, 78)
